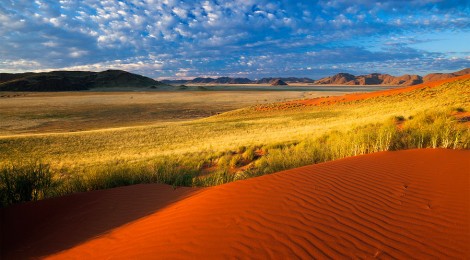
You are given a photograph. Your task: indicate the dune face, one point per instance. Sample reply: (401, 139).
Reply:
(406, 204)
(45, 227)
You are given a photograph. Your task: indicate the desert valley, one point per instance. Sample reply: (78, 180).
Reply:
(143, 129)
(390, 203)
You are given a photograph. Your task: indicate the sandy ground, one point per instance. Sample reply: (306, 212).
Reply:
(409, 204)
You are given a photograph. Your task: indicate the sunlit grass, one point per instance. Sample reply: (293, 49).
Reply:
(246, 142)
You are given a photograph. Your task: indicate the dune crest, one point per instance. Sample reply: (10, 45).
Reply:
(405, 204)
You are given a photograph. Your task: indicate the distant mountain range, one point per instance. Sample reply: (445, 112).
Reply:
(370, 79)
(386, 79)
(74, 80)
(338, 79)
(228, 80)
(86, 80)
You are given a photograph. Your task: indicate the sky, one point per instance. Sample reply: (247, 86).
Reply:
(237, 38)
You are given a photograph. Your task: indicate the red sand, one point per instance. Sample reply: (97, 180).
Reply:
(406, 204)
(361, 96)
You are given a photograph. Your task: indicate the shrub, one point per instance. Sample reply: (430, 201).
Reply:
(459, 109)
(399, 118)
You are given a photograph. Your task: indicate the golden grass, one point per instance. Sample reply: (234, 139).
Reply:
(243, 127)
(178, 152)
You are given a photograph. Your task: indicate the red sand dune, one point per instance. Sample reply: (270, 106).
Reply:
(406, 204)
(361, 96)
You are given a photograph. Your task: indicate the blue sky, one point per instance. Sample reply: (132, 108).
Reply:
(239, 38)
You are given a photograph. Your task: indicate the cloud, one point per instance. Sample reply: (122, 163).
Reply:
(159, 37)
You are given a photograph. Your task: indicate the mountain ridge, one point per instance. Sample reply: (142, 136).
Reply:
(74, 80)
(87, 80)
(341, 78)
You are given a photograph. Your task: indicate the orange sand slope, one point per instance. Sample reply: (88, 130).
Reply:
(362, 96)
(406, 204)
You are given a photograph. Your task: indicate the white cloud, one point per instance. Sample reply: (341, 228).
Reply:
(204, 35)
(50, 44)
(77, 53)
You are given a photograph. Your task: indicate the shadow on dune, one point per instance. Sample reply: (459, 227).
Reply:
(46, 227)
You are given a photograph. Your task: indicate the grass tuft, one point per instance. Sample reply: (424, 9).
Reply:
(23, 182)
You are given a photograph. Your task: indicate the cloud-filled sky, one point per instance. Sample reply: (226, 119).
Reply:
(238, 38)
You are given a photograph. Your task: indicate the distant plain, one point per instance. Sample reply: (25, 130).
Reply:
(28, 113)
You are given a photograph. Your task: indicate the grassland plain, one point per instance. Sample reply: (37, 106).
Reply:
(52, 112)
(26, 113)
(241, 143)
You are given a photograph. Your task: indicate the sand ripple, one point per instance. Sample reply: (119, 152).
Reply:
(409, 205)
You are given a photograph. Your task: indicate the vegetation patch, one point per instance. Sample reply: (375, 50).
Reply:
(232, 146)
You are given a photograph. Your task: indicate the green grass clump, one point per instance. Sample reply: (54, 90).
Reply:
(438, 129)
(425, 130)
(25, 182)
(224, 161)
(236, 161)
(432, 130)
(249, 154)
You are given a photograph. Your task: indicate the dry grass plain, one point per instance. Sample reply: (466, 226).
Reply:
(23, 113)
(242, 143)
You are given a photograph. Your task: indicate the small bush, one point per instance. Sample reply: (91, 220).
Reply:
(399, 118)
(459, 109)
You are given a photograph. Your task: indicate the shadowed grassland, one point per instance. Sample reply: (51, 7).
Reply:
(243, 143)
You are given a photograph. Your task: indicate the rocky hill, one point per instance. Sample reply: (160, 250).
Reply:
(370, 79)
(386, 79)
(277, 82)
(439, 76)
(73, 80)
(340, 79)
